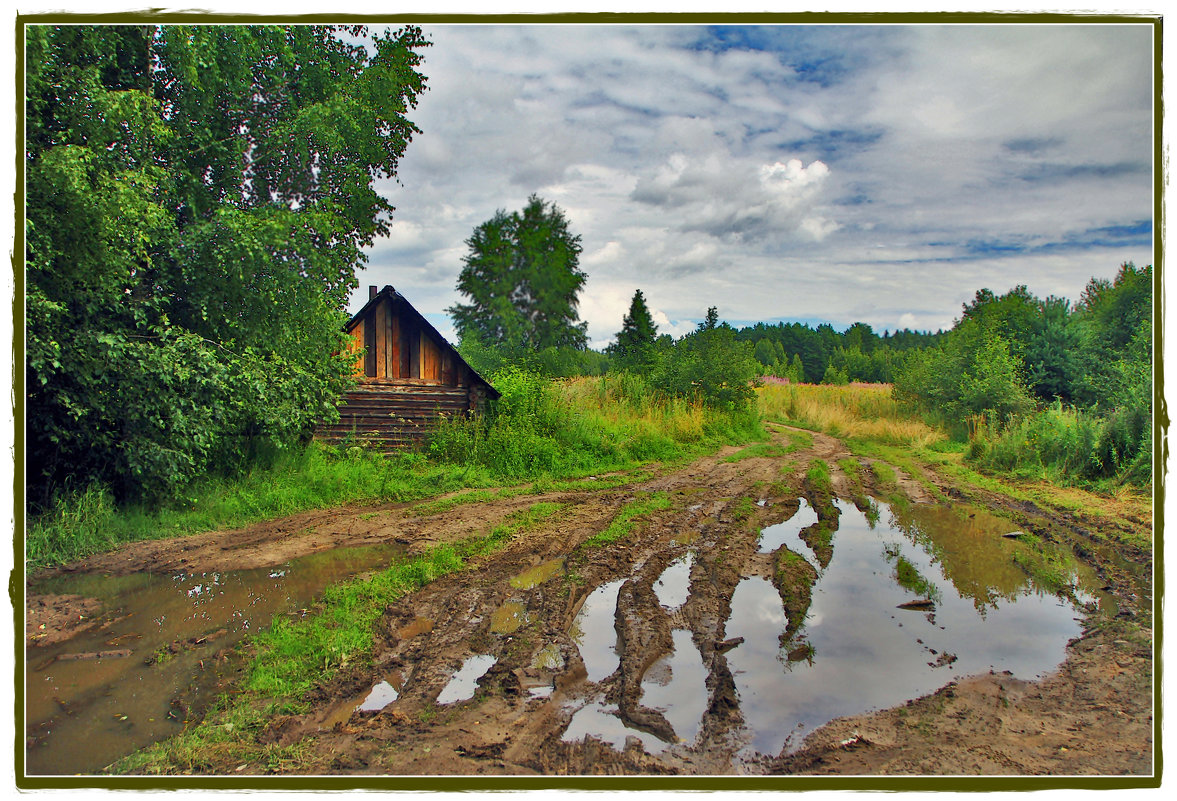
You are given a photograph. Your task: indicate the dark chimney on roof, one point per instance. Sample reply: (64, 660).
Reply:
(371, 292)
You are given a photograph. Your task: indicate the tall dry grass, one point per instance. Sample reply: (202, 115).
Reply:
(851, 411)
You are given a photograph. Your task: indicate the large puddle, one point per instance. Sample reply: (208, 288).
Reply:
(858, 650)
(83, 714)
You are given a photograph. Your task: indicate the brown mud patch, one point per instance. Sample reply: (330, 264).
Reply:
(1092, 716)
(51, 619)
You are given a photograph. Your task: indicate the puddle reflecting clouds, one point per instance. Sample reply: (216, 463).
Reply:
(867, 654)
(673, 586)
(676, 685)
(788, 532)
(464, 683)
(595, 633)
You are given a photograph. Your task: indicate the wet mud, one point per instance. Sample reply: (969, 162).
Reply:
(727, 634)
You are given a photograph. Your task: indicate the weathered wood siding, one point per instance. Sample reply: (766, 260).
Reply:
(356, 346)
(409, 378)
(393, 413)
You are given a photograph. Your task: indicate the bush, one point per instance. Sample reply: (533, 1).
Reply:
(542, 426)
(973, 375)
(1065, 444)
(709, 365)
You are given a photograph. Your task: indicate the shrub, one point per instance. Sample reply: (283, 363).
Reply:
(710, 365)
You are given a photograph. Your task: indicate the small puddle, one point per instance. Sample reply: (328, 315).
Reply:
(676, 685)
(788, 532)
(464, 683)
(673, 586)
(415, 628)
(599, 720)
(508, 618)
(548, 658)
(857, 651)
(538, 575)
(595, 633)
(83, 715)
(381, 696)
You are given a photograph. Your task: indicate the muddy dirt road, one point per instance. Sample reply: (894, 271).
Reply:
(560, 656)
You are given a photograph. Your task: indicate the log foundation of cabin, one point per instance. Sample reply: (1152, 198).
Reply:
(409, 377)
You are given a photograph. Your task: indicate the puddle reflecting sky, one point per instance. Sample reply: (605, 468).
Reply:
(382, 695)
(599, 720)
(788, 532)
(464, 683)
(867, 654)
(594, 631)
(673, 586)
(676, 685)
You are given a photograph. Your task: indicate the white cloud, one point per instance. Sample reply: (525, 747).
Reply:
(724, 197)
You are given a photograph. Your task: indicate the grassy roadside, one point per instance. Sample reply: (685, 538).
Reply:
(550, 435)
(875, 427)
(89, 522)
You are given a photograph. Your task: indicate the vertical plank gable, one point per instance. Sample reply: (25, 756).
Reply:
(381, 344)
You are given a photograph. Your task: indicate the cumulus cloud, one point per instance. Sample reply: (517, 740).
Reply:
(723, 198)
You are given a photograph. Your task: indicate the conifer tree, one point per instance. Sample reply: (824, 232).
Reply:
(635, 340)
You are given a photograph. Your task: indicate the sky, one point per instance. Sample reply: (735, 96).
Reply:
(823, 173)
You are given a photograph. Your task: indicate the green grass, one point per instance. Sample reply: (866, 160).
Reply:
(799, 440)
(629, 517)
(743, 509)
(884, 474)
(89, 522)
(579, 427)
(818, 476)
(550, 435)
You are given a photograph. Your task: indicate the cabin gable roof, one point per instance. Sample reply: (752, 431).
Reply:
(401, 306)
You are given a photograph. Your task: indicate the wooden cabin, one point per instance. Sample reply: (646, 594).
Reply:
(408, 376)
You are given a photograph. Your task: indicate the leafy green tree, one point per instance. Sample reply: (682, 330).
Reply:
(1113, 320)
(765, 353)
(796, 370)
(710, 365)
(835, 375)
(635, 340)
(522, 278)
(1052, 352)
(198, 201)
(974, 374)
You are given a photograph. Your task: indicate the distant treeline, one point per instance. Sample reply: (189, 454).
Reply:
(794, 351)
(815, 355)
